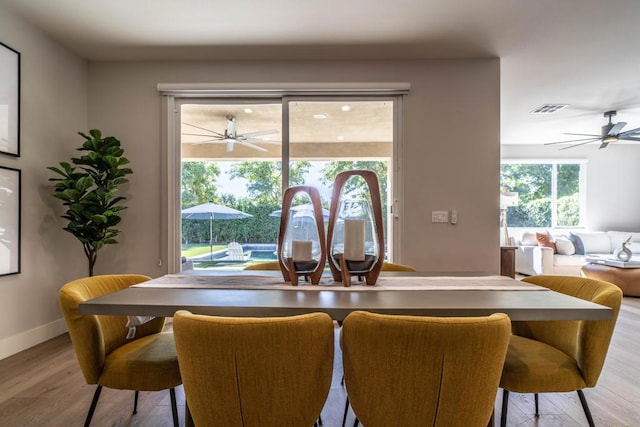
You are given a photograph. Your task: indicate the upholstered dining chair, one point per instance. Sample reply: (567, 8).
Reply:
(255, 371)
(271, 266)
(146, 362)
(560, 355)
(423, 371)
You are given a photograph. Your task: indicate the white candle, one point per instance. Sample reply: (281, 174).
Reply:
(354, 239)
(301, 250)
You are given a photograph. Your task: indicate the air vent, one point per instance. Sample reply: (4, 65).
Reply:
(549, 108)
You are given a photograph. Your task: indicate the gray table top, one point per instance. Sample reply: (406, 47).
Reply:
(517, 304)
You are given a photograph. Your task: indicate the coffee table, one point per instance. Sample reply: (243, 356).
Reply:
(627, 278)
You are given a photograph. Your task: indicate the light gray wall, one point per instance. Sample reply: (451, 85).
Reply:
(54, 106)
(613, 202)
(450, 156)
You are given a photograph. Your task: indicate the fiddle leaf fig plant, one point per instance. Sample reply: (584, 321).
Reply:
(88, 187)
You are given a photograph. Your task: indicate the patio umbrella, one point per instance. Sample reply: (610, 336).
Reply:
(212, 211)
(302, 210)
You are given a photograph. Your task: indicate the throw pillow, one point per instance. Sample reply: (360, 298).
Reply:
(545, 239)
(564, 246)
(529, 239)
(577, 243)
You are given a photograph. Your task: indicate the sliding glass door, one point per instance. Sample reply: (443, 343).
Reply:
(239, 154)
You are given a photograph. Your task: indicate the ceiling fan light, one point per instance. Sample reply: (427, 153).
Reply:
(609, 139)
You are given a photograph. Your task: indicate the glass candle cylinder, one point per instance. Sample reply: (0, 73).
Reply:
(354, 237)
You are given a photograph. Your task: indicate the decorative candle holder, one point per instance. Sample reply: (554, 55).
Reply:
(301, 240)
(355, 238)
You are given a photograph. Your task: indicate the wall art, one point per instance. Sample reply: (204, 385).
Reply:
(9, 221)
(9, 101)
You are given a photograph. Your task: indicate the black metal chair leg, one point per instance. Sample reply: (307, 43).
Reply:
(346, 409)
(535, 398)
(356, 423)
(92, 408)
(587, 412)
(505, 404)
(319, 420)
(174, 407)
(135, 403)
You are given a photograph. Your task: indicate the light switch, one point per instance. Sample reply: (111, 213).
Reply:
(439, 216)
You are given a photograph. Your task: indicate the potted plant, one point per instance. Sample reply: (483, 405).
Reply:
(88, 188)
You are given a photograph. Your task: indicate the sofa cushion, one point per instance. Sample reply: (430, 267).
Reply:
(577, 243)
(564, 246)
(573, 260)
(594, 242)
(545, 239)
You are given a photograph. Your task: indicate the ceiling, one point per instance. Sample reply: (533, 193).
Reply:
(578, 52)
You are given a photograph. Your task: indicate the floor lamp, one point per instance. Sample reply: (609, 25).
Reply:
(507, 198)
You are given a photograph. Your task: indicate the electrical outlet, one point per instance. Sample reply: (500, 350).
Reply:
(454, 216)
(439, 216)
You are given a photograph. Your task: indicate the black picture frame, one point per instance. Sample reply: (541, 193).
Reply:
(9, 101)
(10, 214)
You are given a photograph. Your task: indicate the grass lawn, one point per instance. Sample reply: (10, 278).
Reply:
(199, 249)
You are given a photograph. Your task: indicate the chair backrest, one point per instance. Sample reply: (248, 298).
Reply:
(255, 371)
(389, 266)
(234, 251)
(264, 266)
(587, 341)
(95, 337)
(423, 371)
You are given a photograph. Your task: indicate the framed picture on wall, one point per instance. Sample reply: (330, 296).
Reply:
(9, 101)
(9, 221)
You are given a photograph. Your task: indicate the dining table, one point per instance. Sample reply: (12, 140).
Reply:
(265, 294)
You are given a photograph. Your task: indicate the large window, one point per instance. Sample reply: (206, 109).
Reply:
(550, 193)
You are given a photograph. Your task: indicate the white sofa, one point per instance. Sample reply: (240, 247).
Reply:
(532, 259)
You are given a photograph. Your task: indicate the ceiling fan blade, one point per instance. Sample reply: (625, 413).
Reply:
(628, 132)
(616, 129)
(206, 141)
(577, 145)
(205, 129)
(582, 134)
(603, 145)
(262, 141)
(201, 134)
(628, 138)
(574, 140)
(248, 144)
(258, 133)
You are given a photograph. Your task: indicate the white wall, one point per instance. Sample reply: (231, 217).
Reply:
(54, 105)
(613, 202)
(450, 156)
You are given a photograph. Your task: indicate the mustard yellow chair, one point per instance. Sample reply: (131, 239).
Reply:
(255, 371)
(389, 266)
(423, 371)
(147, 362)
(560, 356)
(263, 266)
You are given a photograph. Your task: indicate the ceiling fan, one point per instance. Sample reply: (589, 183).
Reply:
(608, 134)
(231, 136)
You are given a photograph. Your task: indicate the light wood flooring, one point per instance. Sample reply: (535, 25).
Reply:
(43, 386)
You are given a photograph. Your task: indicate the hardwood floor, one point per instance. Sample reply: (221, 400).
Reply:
(43, 386)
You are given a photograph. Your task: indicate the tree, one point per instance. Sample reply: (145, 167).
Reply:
(199, 182)
(265, 178)
(90, 192)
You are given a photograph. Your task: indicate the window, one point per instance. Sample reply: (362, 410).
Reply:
(550, 193)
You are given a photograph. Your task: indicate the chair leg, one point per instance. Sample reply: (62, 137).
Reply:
(356, 423)
(319, 420)
(92, 408)
(505, 404)
(535, 398)
(346, 409)
(587, 412)
(135, 403)
(174, 407)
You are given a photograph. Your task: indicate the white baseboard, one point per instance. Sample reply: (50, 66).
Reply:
(27, 339)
